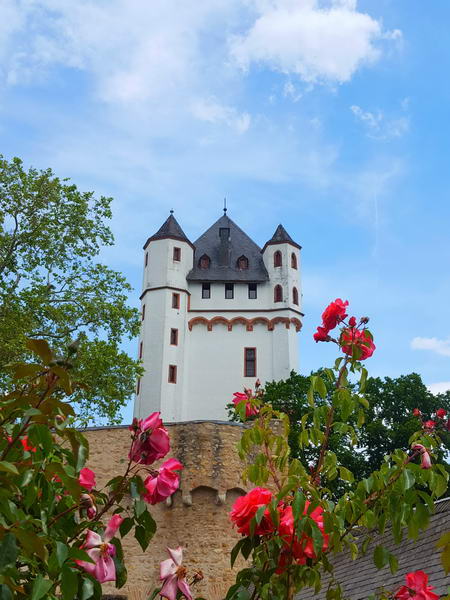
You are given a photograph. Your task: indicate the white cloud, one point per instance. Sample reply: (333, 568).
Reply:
(433, 344)
(315, 40)
(378, 126)
(214, 112)
(440, 387)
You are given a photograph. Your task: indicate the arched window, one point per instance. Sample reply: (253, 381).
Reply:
(277, 259)
(278, 294)
(204, 262)
(293, 260)
(242, 263)
(295, 295)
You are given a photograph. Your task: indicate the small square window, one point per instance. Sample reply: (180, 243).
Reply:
(252, 291)
(206, 290)
(229, 291)
(172, 374)
(175, 300)
(174, 337)
(177, 254)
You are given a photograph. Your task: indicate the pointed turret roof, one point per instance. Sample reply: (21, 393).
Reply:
(281, 236)
(169, 229)
(224, 243)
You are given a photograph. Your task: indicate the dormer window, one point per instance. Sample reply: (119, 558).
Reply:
(204, 262)
(242, 263)
(277, 259)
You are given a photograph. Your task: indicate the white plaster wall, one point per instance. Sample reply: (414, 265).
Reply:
(162, 269)
(216, 366)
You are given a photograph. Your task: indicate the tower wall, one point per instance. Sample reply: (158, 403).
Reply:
(197, 517)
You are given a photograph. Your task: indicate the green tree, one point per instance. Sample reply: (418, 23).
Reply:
(52, 288)
(388, 424)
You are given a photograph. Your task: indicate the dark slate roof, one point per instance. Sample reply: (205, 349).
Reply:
(224, 254)
(360, 578)
(281, 236)
(169, 229)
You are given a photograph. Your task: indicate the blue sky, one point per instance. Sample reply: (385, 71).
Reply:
(329, 116)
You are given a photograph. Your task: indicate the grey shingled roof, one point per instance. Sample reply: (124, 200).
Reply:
(224, 255)
(169, 229)
(360, 578)
(281, 236)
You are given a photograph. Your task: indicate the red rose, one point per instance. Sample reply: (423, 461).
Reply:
(303, 547)
(26, 446)
(352, 322)
(334, 313)
(321, 335)
(417, 413)
(152, 440)
(250, 410)
(416, 588)
(441, 413)
(429, 424)
(359, 339)
(246, 507)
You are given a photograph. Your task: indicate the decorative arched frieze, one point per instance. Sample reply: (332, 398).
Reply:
(284, 320)
(222, 320)
(297, 323)
(241, 320)
(256, 320)
(196, 320)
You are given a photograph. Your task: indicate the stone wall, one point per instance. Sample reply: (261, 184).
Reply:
(195, 518)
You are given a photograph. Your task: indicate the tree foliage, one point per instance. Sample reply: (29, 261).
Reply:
(388, 424)
(52, 288)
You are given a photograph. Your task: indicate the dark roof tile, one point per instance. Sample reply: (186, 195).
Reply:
(224, 253)
(169, 229)
(281, 236)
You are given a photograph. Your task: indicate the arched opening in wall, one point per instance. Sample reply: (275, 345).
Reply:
(277, 259)
(233, 494)
(278, 294)
(242, 263)
(293, 260)
(295, 295)
(204, 495)
(204, 262)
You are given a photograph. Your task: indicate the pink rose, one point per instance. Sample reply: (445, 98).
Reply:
(87, 478)
(152, 440)
(246, 507)
(101, 552)
(164, 483)
(425, 459)
(250, 410)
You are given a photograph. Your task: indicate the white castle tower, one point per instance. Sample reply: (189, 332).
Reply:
(216, 315)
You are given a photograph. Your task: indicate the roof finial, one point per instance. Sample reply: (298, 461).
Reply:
(171, 211)
(224, 206)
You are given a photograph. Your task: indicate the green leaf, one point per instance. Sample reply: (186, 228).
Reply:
(5, 592)
(41, 436)
(8, 551)
(69, 583)
(139, 507)
(40, 587)
(321, 388)
(79, 554)
(346, 475)
(126, 526)
(235, 551)
(140, 534)
(41, 348)
(8, 467)
(380, 557)
(62, 553)
(87, 591)
(393, 564)
(298, 505)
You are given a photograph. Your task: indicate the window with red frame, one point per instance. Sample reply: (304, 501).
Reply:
(249, 362)
(293, 260)
(177, 254)
(278, 294)
(172, 374)
(174, 337)
(295, 295)
(175, 300)
(277, 259)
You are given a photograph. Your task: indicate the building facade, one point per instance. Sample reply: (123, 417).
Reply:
(217, 314)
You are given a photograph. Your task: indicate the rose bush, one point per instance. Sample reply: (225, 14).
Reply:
(59, 534)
